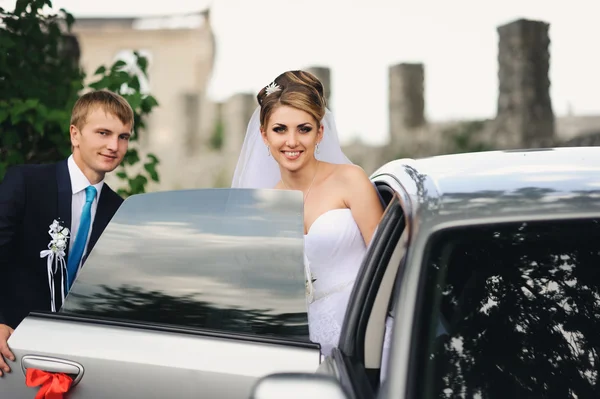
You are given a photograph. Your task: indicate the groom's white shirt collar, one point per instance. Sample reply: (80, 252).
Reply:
(78, 180)
(78, 184)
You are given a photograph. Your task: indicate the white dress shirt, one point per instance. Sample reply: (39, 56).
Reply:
(78, 185)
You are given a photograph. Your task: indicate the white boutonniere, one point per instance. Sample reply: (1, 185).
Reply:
(55, 253)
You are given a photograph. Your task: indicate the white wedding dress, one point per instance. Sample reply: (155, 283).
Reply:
(334, 249)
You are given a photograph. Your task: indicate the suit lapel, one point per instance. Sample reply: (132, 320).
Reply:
(64, 200)
(65, 196)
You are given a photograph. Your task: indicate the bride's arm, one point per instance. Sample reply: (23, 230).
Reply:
(363, 200)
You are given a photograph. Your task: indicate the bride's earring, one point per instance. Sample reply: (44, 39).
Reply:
(268, 150)
(317, 148)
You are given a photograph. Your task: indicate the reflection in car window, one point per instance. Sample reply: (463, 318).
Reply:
(519, 305)
(219, 259)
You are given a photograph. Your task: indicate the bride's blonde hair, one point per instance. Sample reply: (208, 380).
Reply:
(298, 89)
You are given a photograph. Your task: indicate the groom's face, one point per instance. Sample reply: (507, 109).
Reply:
(101, 143)
(291, 135)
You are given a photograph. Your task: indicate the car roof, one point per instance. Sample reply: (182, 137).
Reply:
(563, 182)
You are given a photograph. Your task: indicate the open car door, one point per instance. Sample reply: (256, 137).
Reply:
(187, 294)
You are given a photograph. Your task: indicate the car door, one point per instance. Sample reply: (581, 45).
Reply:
(508, 309)
(355, 361)
(187, 294)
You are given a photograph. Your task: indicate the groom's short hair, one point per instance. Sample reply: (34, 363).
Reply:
(109, 101)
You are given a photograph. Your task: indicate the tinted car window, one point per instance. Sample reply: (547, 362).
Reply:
(220, 259)
(513, 312)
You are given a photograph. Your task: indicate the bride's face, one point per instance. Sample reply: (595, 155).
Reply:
(292, 135)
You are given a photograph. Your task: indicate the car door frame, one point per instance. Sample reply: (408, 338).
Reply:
(347, 360)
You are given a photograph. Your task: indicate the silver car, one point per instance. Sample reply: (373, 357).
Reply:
(485, 278)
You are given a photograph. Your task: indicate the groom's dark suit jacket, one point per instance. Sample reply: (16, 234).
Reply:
(31, 197)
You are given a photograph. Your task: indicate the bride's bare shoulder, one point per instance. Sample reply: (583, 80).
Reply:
(352, 173)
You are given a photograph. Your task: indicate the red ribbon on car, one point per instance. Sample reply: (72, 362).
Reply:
(53, 385)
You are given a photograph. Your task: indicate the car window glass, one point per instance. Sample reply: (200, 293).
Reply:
(220, 259)
(513, 311)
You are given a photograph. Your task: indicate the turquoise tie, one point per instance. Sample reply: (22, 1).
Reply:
(82, 235)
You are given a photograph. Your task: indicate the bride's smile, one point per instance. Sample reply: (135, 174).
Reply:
(292, 155)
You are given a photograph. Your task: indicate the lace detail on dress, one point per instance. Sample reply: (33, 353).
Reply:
(325, 318)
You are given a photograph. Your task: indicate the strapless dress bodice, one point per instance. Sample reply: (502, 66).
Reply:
(334, 248)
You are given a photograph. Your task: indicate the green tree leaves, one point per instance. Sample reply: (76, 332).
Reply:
(40, 80)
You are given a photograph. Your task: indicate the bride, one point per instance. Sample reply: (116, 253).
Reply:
(341, 206)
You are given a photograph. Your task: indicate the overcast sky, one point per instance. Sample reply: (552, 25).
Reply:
(456, 40)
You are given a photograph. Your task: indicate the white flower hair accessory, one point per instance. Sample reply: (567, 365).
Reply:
(272, 88)
(56, 258)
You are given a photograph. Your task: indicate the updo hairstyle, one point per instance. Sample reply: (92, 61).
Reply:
(298, 89)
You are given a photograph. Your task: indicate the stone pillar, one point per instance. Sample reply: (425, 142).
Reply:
(191, 122)
(524, 116)
(208, 114)
(324, 75)
(406, 100)
(235, 115)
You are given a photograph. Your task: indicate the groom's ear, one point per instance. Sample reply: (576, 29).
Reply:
(73, 136)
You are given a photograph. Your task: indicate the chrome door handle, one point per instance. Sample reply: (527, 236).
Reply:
(53, 365)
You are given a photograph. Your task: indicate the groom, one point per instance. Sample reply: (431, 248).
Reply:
(72, 192)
